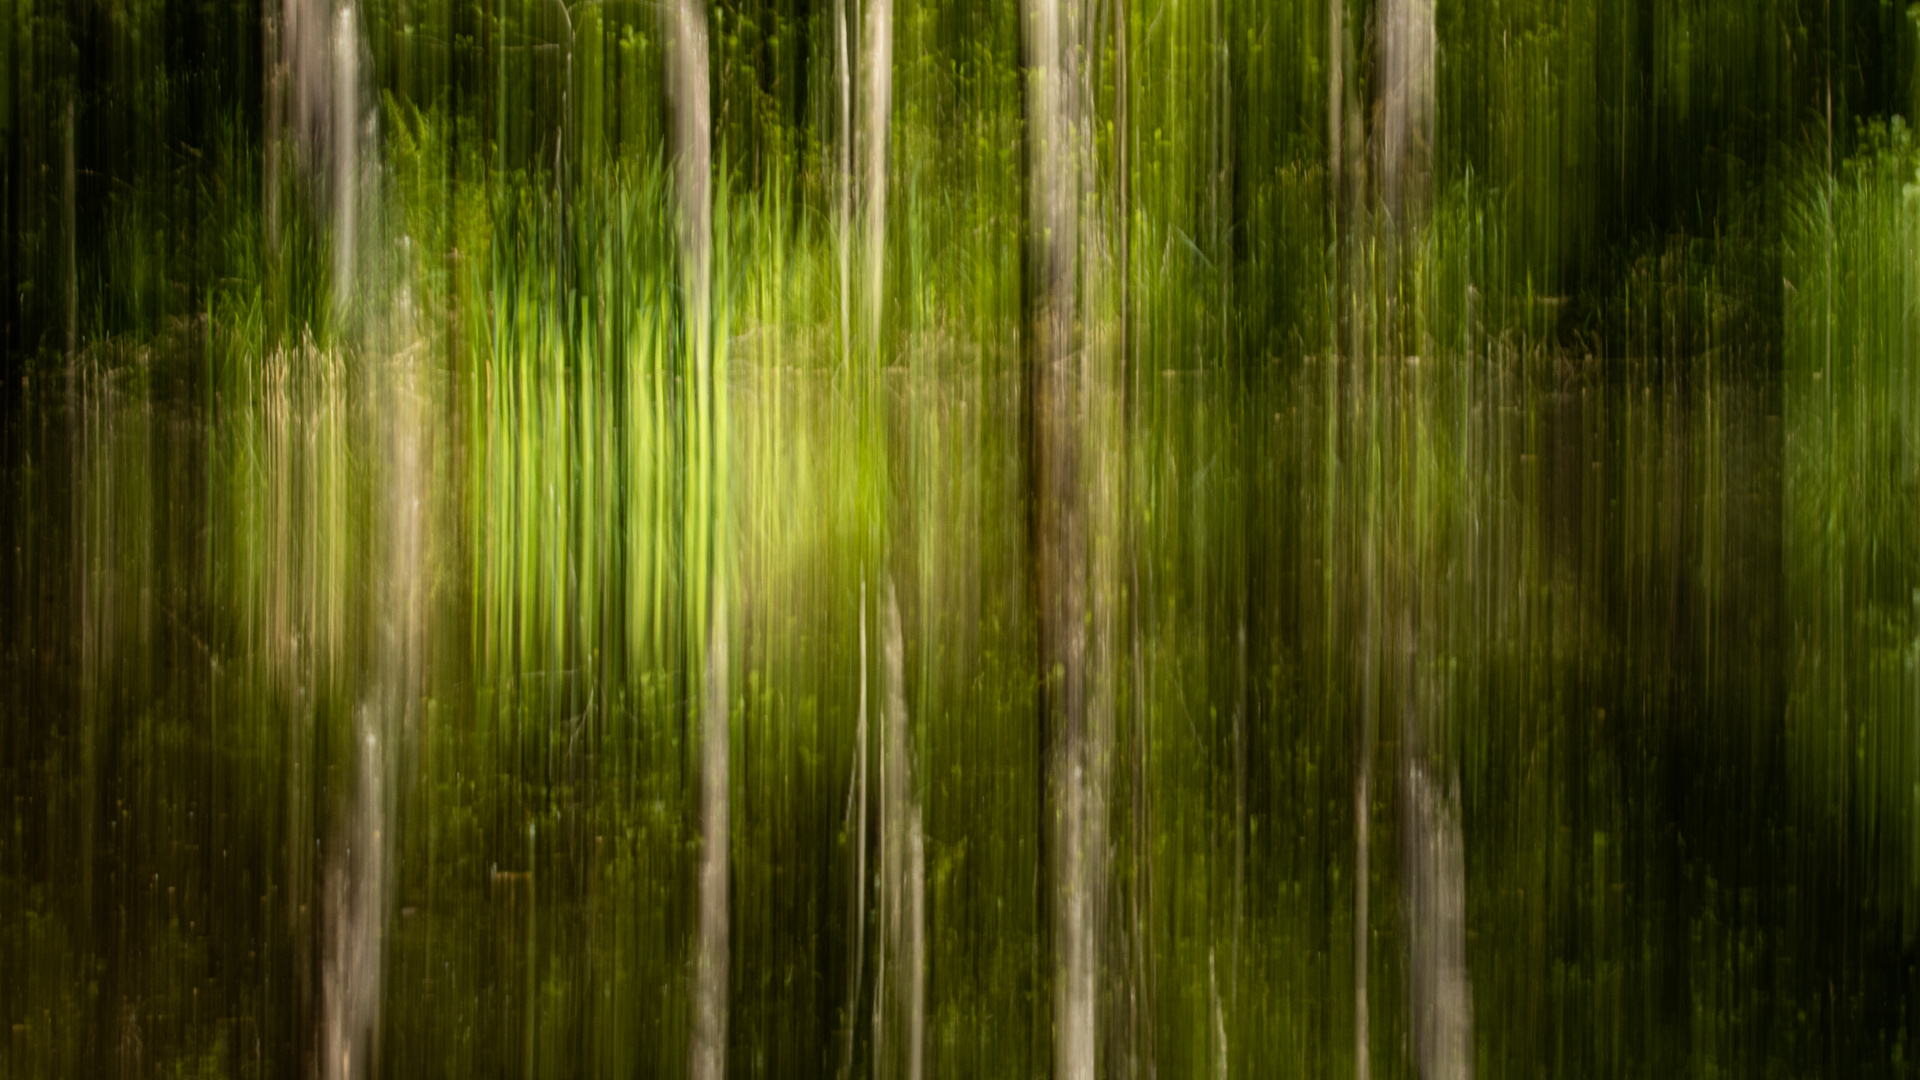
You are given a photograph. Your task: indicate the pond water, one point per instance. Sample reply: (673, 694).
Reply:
(1549, 718)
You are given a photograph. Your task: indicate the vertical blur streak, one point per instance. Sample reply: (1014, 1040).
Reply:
(1341, 117)
(357, 881)
(902, 873)
(1406, 114)
(1071, 584)
(899, 1017)
(1437, 918)
(855, 821)
(692, 153)
(1140, 984)
(843, 163)
(876, 123)
(345, 154)
(709, 1040)
(356, 895)
(355, 905)
(1434, 849)
(69, 222)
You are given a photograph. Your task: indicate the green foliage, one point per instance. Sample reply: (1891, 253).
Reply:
(1852, 397)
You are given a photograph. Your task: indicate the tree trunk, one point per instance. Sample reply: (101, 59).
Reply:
(1405, 139)
(692, 137)
(843, 169)
(345, 157)
(876, 123)
(900, 1009)
(69, 226)
(899, 1015)
(856, 818)
(1074, 500)
(357, 894)
(1366, 693)
(1434, 865)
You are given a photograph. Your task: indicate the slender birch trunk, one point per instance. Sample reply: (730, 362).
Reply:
(321, 62)
(687, 89)
(345, 157)
(1405, 139)
(1075, 501)
(843, 169)
(899, 999)
(1400, 154)
(1433, 845)
(876, 124)
(902, 845)
(1059, 543)
(1434, 869)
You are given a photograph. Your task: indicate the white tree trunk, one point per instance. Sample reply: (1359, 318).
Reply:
(843, 175)
(1405, 138)
(1076, 563)
(877, 121)
(692, 141)
(325, 49)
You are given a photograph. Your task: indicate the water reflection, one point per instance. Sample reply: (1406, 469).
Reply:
(321, 756)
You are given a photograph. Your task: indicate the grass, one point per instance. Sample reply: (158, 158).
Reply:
(1853, 403)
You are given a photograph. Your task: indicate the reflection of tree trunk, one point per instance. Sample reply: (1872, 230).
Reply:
(857, 834)
(355, 913)
(899, 1015)
(1140, 915)
(686, 34)
(1436, 905)
(709, 1047)
(1363, 809)
(1441, 997)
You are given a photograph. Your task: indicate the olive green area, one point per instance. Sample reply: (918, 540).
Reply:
(1593, 491)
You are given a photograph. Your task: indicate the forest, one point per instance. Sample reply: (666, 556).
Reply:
(1003, 538)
